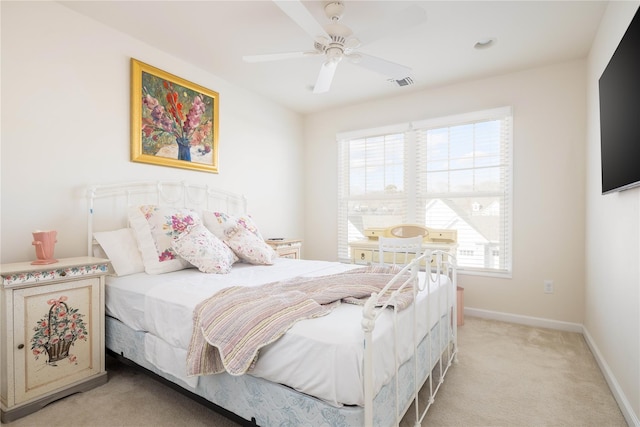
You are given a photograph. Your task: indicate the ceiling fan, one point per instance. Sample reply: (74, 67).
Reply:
(335, 41)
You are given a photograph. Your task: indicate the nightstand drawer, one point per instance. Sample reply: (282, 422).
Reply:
(42, 274)
(362, 256)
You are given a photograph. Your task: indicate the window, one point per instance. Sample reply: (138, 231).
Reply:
(453, 172)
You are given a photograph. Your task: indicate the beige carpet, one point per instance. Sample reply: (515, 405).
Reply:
(507, 375)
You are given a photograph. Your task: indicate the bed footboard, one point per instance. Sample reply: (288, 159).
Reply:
(424, 364)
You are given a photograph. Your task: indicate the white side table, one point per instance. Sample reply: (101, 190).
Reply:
(286, 248)
(51, 333)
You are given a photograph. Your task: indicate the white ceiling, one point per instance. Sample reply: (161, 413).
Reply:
(214, 35)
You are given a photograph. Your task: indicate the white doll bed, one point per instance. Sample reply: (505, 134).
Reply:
(339, 369)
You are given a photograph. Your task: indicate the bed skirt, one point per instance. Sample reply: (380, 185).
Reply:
(270, 404)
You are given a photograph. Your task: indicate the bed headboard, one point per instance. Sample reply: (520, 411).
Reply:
(108, 203)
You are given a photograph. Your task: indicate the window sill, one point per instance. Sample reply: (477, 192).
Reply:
(502, 274)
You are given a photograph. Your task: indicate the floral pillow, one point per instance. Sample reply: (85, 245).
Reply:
(221, 223)
(204, 250)
(249, 247)
(155, 228)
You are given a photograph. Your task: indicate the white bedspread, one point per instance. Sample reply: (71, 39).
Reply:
(321, 357)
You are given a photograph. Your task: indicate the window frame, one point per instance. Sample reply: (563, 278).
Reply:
(411, 131)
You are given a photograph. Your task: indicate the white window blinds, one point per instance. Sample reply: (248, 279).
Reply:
(453, 172)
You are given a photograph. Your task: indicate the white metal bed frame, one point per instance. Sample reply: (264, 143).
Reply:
(202, 196)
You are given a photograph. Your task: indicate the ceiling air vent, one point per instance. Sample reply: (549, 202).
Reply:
(402, 82)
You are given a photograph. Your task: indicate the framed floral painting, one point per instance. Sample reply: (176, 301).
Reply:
(173, 122)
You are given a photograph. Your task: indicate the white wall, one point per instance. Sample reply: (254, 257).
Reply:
(549, 154)
(65, 125)
(612, 292)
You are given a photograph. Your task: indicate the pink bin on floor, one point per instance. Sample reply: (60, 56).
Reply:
(460, 302)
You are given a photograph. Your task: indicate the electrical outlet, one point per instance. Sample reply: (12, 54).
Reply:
(548, 286)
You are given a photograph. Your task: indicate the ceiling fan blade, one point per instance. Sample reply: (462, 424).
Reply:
(323, 83)
(379, 65)
(395, 23)
(301, 16)
(278, 56)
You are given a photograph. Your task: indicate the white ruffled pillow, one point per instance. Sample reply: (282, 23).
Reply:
(155, 228)
(204, 250)
(250, 247)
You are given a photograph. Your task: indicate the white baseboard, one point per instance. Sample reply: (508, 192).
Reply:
(618, 394)
(524, 320)
(614, 386)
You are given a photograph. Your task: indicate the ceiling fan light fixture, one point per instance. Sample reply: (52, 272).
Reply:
(485, 43)
(334, 54)
(352, 43)
(322, 40)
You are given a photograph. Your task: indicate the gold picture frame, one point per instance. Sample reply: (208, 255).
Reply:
(174, 122)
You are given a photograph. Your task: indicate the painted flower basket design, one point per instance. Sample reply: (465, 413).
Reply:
(57, 331)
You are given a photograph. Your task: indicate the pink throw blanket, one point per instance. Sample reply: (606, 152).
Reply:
(232, 326)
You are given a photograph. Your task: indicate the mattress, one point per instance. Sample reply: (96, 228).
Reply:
(272, 404)
(321, 357)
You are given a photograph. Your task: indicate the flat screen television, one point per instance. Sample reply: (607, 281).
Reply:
(619, 89)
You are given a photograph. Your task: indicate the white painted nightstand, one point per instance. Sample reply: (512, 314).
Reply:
(286, 248)
(51, 333)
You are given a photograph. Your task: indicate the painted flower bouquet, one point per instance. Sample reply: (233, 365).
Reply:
(57, 331)
(164, 120)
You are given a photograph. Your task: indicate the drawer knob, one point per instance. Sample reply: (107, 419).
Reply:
(20, 346)
(63, 273)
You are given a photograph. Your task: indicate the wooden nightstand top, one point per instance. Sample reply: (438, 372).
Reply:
(23, 267)
(25, 273)
(281, 242)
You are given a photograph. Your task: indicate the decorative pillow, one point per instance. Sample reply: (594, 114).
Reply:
(204, 250)
(155, 228)
(121, 248)
(249, 247)
(221, 224)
